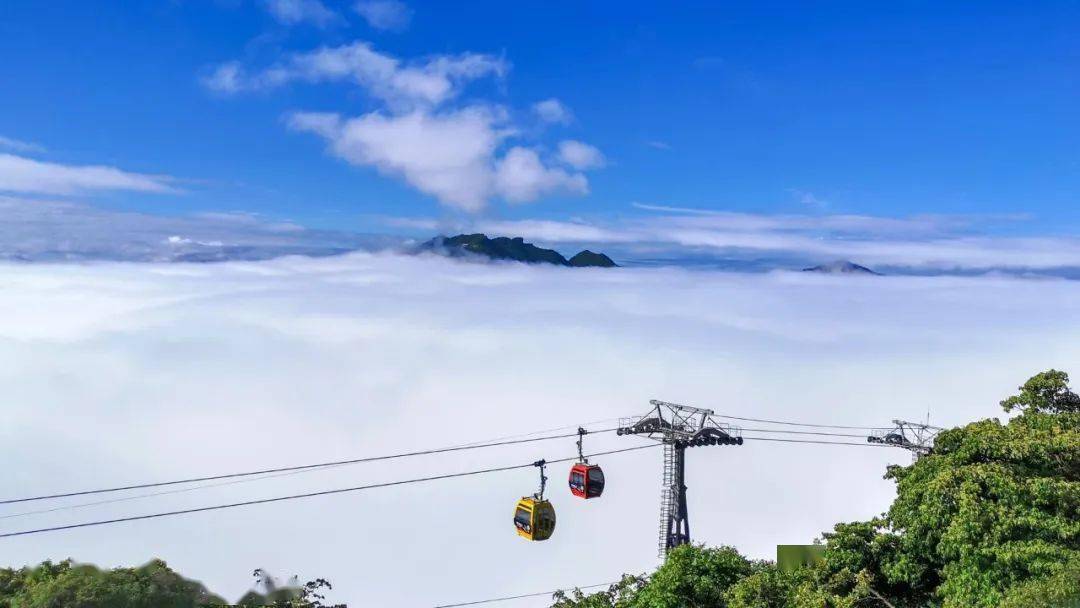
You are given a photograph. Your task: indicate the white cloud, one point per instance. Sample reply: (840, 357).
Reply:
(659, 145)
(430, 81)
(580, 155)
(451, 155)
(553, 111)
(385, 14)
(228, 78)
(521, 177)
(19, 146)
(305, 360)
(292, 12)
(445, 155)
(19, 174)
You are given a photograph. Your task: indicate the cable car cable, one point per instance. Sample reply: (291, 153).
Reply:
(261, 501)
(806, 424)
(519, 597)
(551, 430)
(823, 433)
(110, 501)
(319, 465)
(813, 442)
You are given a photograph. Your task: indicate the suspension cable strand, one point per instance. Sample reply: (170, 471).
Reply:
(261, 501)
(109, 501)
(320, 465)
(806, 424)
(520, 597)
(288, 473)
(822, 433)
(812, 442)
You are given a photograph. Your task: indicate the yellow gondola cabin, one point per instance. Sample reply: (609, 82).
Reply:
(534, 519)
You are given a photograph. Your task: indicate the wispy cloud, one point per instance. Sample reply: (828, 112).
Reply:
(809, 199)
(389, 15)
(553, 111)
(292, 12)
(47, 230)
(580, 155)
(16, 145)
(657, 144)
(26, 175)
(429, 81)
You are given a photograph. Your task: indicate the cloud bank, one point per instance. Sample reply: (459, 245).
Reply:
(675, 235)
(130, 372)
(49, 231)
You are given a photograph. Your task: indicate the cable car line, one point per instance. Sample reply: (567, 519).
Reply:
(823, 433)
(110, 501)
(806, 424)
(551, 430)
(811, 442)
(289, 473)
(520, 597)
(261, 501)
(305, 467)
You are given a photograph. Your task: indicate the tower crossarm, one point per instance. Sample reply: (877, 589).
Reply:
(916, 437)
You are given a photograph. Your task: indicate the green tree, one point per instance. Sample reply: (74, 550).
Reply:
(694, 577)
(620, 595)
(691, 577)
(66, 585)
(995, 505)
(1046, 393)
(1061, 590)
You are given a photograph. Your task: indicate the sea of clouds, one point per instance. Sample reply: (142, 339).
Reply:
(127, 372)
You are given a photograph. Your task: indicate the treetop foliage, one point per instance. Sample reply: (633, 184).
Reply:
(155, 585)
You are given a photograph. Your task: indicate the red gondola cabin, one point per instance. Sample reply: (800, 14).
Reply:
(586, 480)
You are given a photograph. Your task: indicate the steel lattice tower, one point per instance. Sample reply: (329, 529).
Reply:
(677, 427)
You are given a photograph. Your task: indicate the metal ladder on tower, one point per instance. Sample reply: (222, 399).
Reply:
(668, 494)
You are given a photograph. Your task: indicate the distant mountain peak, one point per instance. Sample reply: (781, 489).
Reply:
(513, 249)
(841, 267)
(589, 258)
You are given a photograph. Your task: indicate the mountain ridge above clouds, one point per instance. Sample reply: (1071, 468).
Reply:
(61, 231)
(510, 249)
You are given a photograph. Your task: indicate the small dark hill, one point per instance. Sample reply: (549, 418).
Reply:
(589, 258)
(841, 267)
(513, 249)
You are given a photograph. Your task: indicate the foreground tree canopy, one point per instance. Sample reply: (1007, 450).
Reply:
(155, 585)
(990, 519)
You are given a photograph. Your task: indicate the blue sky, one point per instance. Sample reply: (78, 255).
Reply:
(751, 108)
